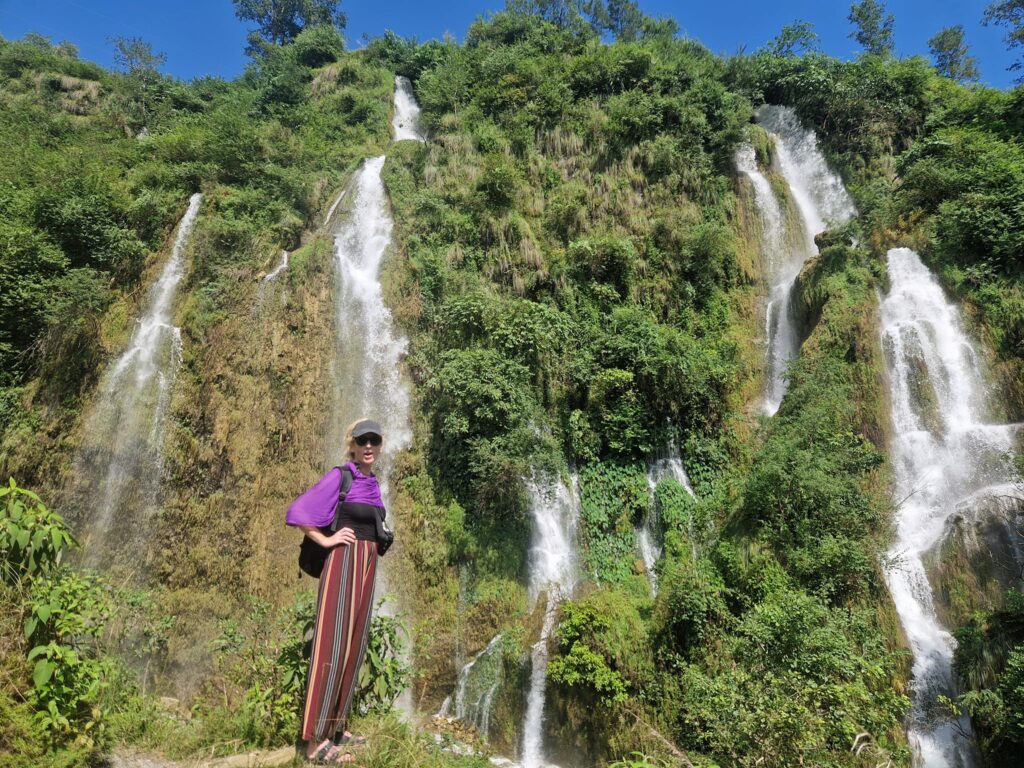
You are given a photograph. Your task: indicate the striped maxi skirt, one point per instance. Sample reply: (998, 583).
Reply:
(340, 635)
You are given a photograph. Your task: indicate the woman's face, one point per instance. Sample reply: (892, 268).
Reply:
(366, 454)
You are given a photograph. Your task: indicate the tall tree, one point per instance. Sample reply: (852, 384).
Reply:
(280, 21)
(798, 37)
(137, 59)
(1010, 14)
(951, 56)
(872, 27)
(561, 13)
(622, 18)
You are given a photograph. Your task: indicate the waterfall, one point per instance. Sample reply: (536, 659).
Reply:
(553, 568)
(369, 351)
(772, 220)
(946, 460)
(119, 464)
(405, 123)
(821, 200)
(778, 325)
(269, 285)
(477, 684)
(366, 370)
(281, 266)
(647, 532)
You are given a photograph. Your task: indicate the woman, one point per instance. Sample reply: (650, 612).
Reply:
(346, 589)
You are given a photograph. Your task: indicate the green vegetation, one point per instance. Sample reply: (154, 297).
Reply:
(990, 660)
(950, 52)
(936, 166)
(575, 270)
(70, 640)
(873, 27)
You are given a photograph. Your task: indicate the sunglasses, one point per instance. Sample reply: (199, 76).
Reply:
(370, 439)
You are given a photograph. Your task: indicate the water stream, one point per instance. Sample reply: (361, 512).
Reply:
(648, 533)
(553, 572)
(369, 349)
(821, 201)
(475, 688)
(119, 465)
(947, 462)
(405, 123)
(366, 369)
(271, 287)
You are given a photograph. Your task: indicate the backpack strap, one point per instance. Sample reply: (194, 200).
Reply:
(347, 479)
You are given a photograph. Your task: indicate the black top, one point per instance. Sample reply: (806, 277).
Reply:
(361, 518)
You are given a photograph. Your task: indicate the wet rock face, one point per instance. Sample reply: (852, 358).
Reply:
(956, 544)
(800, 200)
(980, 555)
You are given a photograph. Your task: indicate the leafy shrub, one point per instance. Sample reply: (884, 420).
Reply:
(319, 45)
(989, 659)
(64, 616)
(384, 674)
(690, 606)
(499, 181)
(33, 539)
(578, 664)
(612, 497)
(805, 488)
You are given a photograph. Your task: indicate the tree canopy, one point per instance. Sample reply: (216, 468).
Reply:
(950, 54)
(1010, 14)
(280, 21)
(873, 27)
(797, 37)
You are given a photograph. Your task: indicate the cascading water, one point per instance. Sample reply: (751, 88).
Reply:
(405, 123)
(477, 684)
(821, 200)
(270, 285)
(282, 265)
(778, 325)
(366, 370)
(553, 570)
(368, 381)
(647, 533)
(946, 460)
(367, 377)
(118, 467)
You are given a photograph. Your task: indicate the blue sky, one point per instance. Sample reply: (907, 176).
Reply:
(202, 37)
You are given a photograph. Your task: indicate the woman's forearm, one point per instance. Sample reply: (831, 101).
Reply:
(316, 535)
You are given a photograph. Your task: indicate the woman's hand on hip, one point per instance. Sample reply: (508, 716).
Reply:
(344, 537)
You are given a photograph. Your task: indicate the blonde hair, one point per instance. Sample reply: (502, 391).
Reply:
(350, 442)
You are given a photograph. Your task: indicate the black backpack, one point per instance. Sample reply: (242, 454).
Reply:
(311, 555)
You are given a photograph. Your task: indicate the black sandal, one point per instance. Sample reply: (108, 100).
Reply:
(320, 756)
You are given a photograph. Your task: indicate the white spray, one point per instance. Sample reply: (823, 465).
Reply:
(821, 200)
(405, 123)
(119, 465)
(945, 459)
(553, 569)
(647, 533)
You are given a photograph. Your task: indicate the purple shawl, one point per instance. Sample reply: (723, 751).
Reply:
(317, 506)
